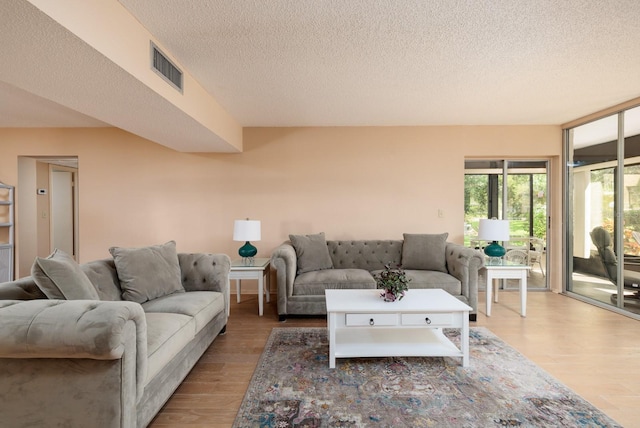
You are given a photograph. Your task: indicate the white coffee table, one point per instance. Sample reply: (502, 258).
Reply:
(361, 324)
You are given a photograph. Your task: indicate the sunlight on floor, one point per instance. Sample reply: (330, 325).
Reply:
(602, 290)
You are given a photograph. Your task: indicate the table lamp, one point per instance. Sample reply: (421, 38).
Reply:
(494, 230)
(247, 230)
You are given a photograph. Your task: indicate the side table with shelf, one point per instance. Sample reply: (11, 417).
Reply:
(258, 269)
(505, 269)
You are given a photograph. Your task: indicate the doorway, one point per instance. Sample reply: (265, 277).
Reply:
(47, 208)
(523, 201)
(63, 231)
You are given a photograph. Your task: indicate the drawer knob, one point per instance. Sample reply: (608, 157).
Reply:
(371, 322)
(427, 320)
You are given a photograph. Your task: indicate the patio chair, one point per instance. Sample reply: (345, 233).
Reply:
(604, 244)
(536, 252)
(517, 256)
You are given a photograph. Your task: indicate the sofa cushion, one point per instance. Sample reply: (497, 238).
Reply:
(60, 277)
(149, 272)
(203, 306)
(311, 252)
(434, 279)
(103, 275)
(167, 334)
(424, 251)
(314, 283)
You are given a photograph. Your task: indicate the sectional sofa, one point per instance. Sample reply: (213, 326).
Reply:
(307, 265)
(106, 344)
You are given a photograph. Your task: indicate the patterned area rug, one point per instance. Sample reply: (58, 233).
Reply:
(293, 386)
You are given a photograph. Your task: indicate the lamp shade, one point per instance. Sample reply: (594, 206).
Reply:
(493, 230)
(246, 230)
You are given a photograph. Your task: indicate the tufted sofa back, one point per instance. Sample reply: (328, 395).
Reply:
(369, 255)
(199, 272)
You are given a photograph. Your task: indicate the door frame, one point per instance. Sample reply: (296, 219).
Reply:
(74, 200)
(505, 171)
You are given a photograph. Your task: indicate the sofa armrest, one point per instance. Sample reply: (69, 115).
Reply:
(76, 329)
(283, 258)
(21, 289)
(206, 272)
(464, 263)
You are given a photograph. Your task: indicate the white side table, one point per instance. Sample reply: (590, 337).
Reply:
(258, 270)
(507, 270)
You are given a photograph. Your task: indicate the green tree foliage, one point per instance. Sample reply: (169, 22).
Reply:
(476, 194)
(476, 199)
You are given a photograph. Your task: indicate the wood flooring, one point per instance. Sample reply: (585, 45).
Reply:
(593, 351)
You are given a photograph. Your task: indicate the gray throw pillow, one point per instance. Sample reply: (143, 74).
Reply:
(312, 252)
(149, 272)
(425, 252)
(58, 276)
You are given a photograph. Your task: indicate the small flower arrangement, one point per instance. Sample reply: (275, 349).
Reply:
(394, 282)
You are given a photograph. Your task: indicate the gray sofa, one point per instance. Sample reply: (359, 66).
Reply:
(106, 362)
(429, 261)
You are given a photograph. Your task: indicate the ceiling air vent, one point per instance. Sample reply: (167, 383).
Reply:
(163, 66)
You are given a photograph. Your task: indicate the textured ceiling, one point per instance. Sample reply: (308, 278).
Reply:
(404, 62)
(22, 109)
(338, 62)
(41, 60)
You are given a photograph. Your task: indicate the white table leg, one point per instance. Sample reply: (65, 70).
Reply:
(489, 287)
(331, 325)
(267, 290)
(464, 339)
(238, 285)
(228, 296)
(260, 294)
(523, 294)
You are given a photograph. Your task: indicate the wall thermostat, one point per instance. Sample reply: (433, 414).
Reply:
(42, 191)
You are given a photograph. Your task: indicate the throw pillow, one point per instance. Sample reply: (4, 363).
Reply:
(424, 252)
(58, 276)
(149, 272)
(312, 252)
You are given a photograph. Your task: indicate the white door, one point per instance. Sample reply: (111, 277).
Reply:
(62, 210)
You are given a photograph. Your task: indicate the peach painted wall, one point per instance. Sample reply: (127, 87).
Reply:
(351, 183)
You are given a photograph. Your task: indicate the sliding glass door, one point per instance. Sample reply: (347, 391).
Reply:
(603, 207)
(526, 195)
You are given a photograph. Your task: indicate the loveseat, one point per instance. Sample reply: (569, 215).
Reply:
(106, 343)
(307, 265)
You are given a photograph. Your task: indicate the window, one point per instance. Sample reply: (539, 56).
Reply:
(526, 207)
(603, 208)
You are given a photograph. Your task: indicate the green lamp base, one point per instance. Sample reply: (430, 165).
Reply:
(247, 251)
(494, 250)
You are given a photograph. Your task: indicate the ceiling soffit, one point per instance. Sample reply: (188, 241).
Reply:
(44, 58)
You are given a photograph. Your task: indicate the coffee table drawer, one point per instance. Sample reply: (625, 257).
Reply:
(436, 319)
(371, 319)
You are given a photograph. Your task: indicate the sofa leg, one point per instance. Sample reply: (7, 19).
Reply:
(224, 329)
(282, 318)
(473, 317)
